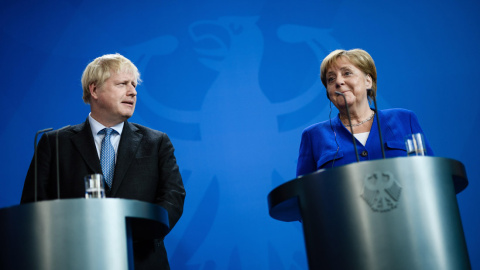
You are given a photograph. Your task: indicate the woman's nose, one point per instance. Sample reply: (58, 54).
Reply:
(339, 81)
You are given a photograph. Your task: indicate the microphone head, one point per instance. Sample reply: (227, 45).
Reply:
(44, 130)
(63, 128)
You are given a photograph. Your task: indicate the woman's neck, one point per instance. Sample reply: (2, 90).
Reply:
(357, 115)
(360, 122)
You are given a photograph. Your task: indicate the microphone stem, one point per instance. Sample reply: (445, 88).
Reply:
(36, 165)
(35, 157)
(350, 123)
(58, 164)
(57, 160)
(378, 125)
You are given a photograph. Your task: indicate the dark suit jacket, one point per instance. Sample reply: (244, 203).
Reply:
(145, 170)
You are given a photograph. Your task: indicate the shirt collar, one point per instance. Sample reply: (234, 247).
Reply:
(96, 126)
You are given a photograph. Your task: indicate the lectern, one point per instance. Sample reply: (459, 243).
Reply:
(398, 213)
(77, 233)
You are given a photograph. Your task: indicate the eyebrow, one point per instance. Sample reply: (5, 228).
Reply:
(124, 81)
(342, 69)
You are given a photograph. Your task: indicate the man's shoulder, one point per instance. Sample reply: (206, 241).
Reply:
(67, 130)
(144, 130)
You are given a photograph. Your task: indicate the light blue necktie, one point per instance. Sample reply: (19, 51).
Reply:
(107, 156)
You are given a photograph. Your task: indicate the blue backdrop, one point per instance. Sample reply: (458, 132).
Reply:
(234, 83)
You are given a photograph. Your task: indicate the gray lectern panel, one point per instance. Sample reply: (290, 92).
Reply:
(75, 233)
(399, 213)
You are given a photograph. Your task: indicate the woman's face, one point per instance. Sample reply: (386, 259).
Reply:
(346, 78)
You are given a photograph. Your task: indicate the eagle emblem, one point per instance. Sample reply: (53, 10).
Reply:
(381, 191)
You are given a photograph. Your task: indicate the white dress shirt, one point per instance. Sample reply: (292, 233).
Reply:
(115, 138)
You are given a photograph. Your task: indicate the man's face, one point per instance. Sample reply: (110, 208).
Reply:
(114, 102)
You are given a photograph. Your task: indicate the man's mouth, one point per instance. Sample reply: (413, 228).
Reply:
(131, 103)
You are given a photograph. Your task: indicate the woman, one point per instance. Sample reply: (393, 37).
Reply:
(329, 143)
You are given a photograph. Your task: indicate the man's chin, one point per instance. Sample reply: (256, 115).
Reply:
(128, 113)
(126, 116)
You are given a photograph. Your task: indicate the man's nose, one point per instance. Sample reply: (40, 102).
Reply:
(132, 91)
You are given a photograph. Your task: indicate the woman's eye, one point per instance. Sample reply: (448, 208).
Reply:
(330, 79)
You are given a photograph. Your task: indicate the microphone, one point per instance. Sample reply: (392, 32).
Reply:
(35, 156)
(350, 122)
(58, 163)
(378, 122)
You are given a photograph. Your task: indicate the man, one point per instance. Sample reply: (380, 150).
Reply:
(143, 164)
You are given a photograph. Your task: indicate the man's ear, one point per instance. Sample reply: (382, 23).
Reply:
(93, 90)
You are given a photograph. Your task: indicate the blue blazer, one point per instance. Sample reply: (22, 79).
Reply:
(318, 148)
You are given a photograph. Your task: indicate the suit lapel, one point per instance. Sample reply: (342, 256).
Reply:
(127, 148)
(83, 141)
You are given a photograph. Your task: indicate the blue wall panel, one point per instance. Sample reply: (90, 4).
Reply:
(234, 83)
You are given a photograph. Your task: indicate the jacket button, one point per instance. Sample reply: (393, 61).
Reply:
(364, 153)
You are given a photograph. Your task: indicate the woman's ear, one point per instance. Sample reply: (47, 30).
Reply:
(368, 81)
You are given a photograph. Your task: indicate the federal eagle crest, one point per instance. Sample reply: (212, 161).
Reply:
(381, 191)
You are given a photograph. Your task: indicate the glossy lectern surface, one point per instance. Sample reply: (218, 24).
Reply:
(398, 213)
(77, 233)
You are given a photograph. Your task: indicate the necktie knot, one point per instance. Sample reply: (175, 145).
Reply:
(107, 131)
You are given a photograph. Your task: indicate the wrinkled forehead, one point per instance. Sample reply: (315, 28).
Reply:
(338, 63)
(123, 74)
(125, 71)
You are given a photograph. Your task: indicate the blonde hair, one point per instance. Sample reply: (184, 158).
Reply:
(359, 58)
(99, 70)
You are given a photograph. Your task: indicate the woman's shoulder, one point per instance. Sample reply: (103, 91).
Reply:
(399, 112)
(319, 127)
